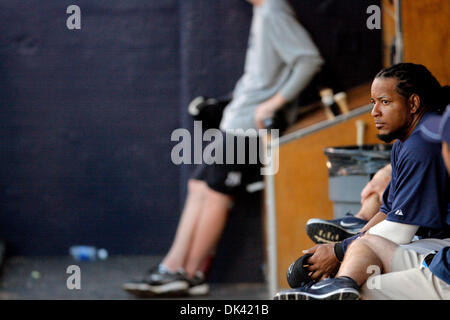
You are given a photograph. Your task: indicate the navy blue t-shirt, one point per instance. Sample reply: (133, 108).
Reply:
(419, 188)
(440, 265)
(418, 193)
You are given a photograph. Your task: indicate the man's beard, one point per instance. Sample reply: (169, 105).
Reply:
(397, 134)
(386, 137)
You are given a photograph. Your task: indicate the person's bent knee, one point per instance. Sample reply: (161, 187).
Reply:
(201, 187)
(376, 242)
(372, 238)
(366, 241)
(196, 185)
(210, 192)
(358, 243)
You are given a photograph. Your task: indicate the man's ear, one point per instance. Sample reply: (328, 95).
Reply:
(414, 103)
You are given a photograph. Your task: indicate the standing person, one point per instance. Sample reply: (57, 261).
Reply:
(281, 60)
(416, 200)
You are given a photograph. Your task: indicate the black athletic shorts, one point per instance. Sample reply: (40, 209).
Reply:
(232, 177)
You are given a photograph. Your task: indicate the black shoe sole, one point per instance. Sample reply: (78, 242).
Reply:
(148, 294)
(140, 293)
(162, 291)
(326, 233)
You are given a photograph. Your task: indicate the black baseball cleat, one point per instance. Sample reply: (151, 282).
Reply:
(332, 231)
(159, 282)
(341, 288)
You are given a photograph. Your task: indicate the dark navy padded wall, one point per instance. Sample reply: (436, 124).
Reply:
(351, 51)
(86, 123)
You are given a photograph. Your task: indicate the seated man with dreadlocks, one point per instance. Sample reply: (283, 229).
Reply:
(415, 201)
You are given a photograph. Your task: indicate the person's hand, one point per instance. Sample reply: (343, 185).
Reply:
(378, 183)
(264, 111)
(323, 263)
(267, 109)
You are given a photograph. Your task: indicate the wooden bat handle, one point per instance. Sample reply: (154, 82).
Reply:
(360, 127)
(341, 100)
(326, 96)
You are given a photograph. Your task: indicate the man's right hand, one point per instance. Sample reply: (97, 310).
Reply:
(323, 263)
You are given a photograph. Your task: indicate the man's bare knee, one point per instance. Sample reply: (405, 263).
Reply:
(377, 242)
(196, 185)
(382, 247)
(357, 244)
(365, 243)
(216, 195)
(197, 188)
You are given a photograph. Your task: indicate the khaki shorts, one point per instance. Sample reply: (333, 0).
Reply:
(409, 280)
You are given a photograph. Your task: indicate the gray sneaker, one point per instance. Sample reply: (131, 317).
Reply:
(159, 281)
(198, 285)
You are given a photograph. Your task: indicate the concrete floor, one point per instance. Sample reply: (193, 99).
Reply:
(38, 278)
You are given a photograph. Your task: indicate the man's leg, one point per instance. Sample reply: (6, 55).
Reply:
(366, 255)
(209, 228)
(330, 231)
(326, 231)
(165, 280)
(410, 284)
(370, 207)
(353, 272)
(195, 202)
(403, 276)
